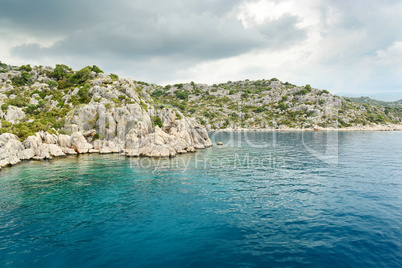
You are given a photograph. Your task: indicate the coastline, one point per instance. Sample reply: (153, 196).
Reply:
(316, 128)
(53, 149)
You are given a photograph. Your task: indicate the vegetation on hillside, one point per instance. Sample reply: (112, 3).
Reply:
(35, 98)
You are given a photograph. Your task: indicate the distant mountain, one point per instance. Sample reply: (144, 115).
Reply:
(369, 100)
(384, 96)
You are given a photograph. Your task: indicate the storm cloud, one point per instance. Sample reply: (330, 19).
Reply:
(338, 45)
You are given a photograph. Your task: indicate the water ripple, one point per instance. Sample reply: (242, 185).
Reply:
(273, 204)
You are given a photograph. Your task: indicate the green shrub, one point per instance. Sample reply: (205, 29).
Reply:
(325, 91)
(81, 76)
(282, 106)
(285, 98)
(98, 136)
(157, 93)
(22, 80)
(182, 94)
(192, 110)
(156, 121)
(179, 86)
(60, 71)
(308, 88)
(96, 69)
(25, 68)
(17, 101)
(114, 77)
(259, 109)
(303, 92)
(83, 93)
(232, 92)
(245, 95)
(4, 107)
(53, 84)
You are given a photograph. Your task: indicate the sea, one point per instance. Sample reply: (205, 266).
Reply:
(262, 199)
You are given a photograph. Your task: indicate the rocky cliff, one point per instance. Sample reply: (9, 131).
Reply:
(48, 112)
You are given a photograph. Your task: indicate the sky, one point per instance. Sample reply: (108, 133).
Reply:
(353, 47)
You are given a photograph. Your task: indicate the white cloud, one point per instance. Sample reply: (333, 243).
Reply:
(333, 44)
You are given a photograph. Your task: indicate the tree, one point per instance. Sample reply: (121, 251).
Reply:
(96, 69)
(157, 93)
(60, 71)
(83, 93)
(81, 76)
(182, 94)
(22, 80)
(308, 88)
(25, 68)
(53, 84)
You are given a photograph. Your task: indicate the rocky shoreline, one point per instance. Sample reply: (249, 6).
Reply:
(181, 137)
(317, 128)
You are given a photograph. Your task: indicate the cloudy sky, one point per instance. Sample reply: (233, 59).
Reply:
(343, 46)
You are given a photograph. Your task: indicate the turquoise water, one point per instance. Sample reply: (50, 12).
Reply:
(264, 200)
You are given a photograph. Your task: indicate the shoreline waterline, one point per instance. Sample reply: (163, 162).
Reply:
(346, 129)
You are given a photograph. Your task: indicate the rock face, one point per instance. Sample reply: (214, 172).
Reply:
(79, 143)
(133, 133)
(14, 114)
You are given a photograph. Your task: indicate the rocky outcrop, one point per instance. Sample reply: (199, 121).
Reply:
(14, 114)
(10, 147)
(79, 143)
(133, 139)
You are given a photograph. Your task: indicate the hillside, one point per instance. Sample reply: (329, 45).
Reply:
(269, 104)
(55, 100)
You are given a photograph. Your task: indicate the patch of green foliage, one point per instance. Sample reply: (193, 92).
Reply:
(25, 68)
(22, 80)
(98, 136)
(156, 121)
(96, 69)
(60, 71)
(303, 92)
(83, 93)
(114, 77)
(157, 93)
(81, 76)
(282, 106)
(182, 94)
(259, 109)
(53, 84)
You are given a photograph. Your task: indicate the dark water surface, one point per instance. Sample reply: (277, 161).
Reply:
(265, 199)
